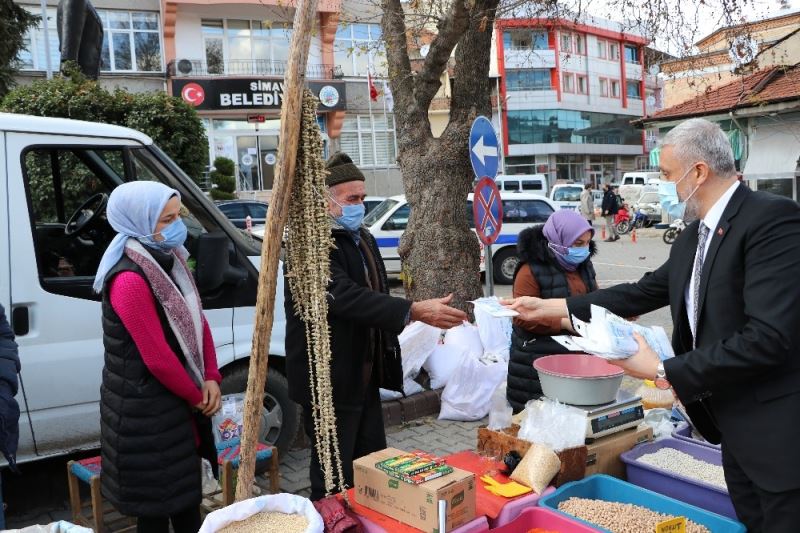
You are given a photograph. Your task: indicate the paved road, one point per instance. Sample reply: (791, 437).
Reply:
(40, 497)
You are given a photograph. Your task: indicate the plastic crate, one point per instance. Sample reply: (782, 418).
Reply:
(680, 487)
(602, 487)
(684, 432)
(546, 519)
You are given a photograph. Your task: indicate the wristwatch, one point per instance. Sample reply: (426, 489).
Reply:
(661, 378)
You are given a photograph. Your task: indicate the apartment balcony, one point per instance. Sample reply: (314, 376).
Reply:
(183, 68)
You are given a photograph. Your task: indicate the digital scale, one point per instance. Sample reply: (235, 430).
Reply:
(623, 413)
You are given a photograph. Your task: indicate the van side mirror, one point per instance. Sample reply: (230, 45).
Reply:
(213, 263)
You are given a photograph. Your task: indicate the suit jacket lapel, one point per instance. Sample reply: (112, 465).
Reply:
(718, 234)
(682, 261)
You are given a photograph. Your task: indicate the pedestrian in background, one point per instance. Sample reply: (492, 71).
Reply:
(9, 409)
(587, 204)
(609, 209)
(160, 380)
(554, 262)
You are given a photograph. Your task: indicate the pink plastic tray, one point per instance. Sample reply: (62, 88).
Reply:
(546, 519)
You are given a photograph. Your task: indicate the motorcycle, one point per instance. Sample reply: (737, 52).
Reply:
(674, 229)
(640, 220)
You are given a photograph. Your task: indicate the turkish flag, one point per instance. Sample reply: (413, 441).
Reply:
(373, 91)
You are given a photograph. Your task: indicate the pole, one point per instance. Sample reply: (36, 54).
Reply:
(500, 148)
(388, 138)
(489, 267)
(49, 69)
(277, 216)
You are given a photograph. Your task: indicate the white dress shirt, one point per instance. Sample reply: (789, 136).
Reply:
(711, 221)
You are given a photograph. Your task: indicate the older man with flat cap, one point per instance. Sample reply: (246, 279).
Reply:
(364, 323)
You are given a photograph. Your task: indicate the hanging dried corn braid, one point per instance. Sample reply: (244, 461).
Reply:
(308, 247)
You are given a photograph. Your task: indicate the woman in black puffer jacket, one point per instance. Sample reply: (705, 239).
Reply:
(555, 262)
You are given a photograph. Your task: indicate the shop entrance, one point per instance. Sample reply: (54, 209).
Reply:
(256, 158)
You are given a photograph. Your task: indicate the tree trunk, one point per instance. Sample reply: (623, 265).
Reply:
(439, 251)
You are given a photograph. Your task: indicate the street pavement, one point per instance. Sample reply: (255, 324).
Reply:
(618, 262)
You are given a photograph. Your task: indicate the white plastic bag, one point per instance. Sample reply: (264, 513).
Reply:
(553, 424)
(443, 362)
(500, 411)
(282, 503)
(417, 342)
(469, 390)
(661, 422)
(465, 336)
(410, 388)
(495, 332)
(62, 526)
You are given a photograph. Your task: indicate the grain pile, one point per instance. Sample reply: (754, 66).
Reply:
(268, 521)
(621, 517)
(682, 463)
(308, 246)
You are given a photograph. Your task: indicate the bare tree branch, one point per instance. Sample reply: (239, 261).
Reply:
(451, 29)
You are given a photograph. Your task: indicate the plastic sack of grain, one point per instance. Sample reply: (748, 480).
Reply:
(538, 468)
(277, 503)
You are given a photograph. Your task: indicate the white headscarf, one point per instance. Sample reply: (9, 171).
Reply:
(133, 211)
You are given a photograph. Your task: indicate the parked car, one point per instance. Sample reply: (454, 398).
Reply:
(650, 205)
(520, 210)
(371, 202)
(237, 211)
(566, 195)
(54, 185)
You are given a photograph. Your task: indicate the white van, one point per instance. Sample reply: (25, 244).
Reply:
(567, 195)
(55, 178)
(520, 210)
(632, 184)
(532, 183)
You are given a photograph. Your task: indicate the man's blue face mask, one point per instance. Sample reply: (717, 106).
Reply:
(668, 196)
(351, 217)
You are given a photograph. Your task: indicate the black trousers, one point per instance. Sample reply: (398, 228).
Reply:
(187, 521)
(758, 509)
(360, 431)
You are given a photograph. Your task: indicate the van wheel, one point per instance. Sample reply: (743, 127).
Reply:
(505, 264)
(280, 417)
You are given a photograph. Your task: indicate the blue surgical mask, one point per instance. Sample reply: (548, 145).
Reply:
(174, 235)
(352, 216)
(668, 196)
(576, 255)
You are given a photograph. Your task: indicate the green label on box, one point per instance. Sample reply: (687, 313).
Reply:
(393, 483)
(457, 499)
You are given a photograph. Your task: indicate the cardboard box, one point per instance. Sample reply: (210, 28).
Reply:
(415, 505)
(603, 454)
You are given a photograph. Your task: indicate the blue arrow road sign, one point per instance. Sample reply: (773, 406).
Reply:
(487, 208)
(483, 148)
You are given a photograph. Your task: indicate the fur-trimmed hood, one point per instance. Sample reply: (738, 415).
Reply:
(532, 247)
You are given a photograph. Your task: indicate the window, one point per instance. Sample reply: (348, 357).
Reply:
(357, 48)
(613, 51)
(569, 82)
(631, 54)
(566, 42)
(528, 80)
(580, 44)
(257, 211)
(131, 41)
(67, 182)
(601, 48)
(369, 142)
(33, 55)
(525, 211)
(567, 194)
(633, 89)
(251, 46)
(234, 210)
(614, 89)
(544, 126)
(583, 84)
(525, 40)
(398, 220)
(603, 87)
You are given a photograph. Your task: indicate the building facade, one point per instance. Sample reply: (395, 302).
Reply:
(568, 92)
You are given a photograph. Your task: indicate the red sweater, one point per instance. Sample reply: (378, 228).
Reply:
(133, 300)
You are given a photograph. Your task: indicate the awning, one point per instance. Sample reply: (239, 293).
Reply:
(773, 152)
(735, 138)
(655, 157)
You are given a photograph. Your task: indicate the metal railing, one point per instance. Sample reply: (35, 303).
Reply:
(181, 68)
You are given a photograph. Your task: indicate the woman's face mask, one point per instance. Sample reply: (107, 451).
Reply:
(173, 236)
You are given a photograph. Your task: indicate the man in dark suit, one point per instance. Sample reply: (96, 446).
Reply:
(732, 283)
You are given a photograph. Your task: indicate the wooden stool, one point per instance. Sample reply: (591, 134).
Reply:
(228, 459)
(88, 471)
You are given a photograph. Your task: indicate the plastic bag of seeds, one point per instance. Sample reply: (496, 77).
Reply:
(288, 504)
(538, 468)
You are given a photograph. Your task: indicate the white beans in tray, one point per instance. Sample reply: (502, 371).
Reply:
(620, 517)
(682, 463)
(268, 521)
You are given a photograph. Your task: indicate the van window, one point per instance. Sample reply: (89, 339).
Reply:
(518, 211)
(72, 184)
(508, 185)
(567, 194)
(639, 181)
(531, 185)
(398, 220)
